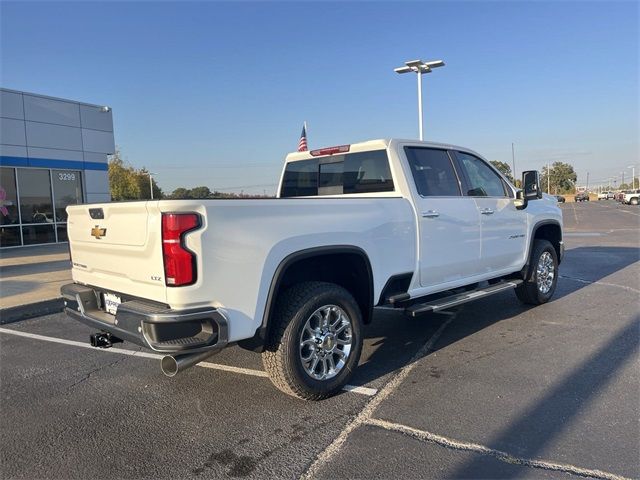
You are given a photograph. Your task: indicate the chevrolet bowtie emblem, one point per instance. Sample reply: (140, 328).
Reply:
(98, 232)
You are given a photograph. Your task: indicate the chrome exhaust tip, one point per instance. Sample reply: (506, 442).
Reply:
(171, 365)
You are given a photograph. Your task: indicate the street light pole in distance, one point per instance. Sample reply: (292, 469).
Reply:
(419, 67)
(151, 183)
(633, 176)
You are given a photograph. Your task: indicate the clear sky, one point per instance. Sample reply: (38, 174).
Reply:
(213, 93)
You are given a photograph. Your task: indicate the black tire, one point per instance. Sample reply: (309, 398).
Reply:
(528, 292)
(282, 355)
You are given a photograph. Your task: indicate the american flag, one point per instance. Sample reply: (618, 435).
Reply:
(302, 144)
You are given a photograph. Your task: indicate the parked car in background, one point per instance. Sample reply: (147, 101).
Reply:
(560, 198)
(631, 197)
(581, 197)
(606, 196)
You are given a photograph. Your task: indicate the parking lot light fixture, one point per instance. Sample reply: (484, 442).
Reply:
(419, 67)
(633, 176)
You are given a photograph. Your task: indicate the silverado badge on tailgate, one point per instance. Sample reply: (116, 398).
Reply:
(98, 232)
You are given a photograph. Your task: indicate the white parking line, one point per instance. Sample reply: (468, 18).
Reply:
(216, 366)
(365, 414)
(597, 282)
(429, 437)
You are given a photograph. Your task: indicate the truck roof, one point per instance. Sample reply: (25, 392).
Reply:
(377, 144)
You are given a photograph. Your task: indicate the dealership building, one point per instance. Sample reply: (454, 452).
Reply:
(53, 153)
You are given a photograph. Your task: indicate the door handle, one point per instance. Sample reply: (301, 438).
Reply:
(486, 211)
(430, 214)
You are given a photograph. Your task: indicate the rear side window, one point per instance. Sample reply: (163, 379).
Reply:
(433, 172)
(362, 172)
(483, 181)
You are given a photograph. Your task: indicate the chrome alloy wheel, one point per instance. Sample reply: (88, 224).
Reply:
(545, 273)
(326, 342)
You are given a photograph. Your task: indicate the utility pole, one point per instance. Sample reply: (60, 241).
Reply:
(587, 181)
(622, 173)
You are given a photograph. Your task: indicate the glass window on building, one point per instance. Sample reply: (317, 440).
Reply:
(36, 205)
(9, 219)
(67, 190)
(33, 204)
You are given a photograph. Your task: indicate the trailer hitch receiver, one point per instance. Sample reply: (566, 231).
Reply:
(103, 340)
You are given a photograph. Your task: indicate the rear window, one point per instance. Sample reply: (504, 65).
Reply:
(362, 172)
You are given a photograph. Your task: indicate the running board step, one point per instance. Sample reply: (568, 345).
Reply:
(460, 298)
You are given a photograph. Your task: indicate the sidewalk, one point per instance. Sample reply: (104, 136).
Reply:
(32, 275)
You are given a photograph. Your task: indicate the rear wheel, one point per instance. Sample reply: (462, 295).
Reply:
(542, 277)
(633, 201)
(316, 340)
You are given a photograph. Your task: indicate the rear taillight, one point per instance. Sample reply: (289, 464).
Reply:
(179, 263)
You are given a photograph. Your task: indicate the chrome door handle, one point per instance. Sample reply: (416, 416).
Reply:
(486, 211)
(430, 214)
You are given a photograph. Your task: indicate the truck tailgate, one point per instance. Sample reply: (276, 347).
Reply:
(118, 247)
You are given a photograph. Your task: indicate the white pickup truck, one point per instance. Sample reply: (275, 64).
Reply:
(631, 197)
(411, 225)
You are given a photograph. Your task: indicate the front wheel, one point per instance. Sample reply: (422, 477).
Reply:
(542, 277)
(316, 340)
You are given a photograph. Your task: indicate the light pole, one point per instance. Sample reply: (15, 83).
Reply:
(151, 183)
(419, 67)
(633, 176)
(587, 181)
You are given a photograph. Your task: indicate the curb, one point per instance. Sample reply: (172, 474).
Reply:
(31, 310)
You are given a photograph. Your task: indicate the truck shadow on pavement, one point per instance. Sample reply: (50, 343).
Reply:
(392, 339)
(542, 422)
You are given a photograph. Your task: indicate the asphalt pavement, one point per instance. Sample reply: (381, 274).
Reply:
(491, 389)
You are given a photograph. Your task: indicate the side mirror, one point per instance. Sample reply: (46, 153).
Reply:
(531, 185)
(521, 201)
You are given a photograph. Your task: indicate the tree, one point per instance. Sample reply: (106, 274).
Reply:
(180, 193)
(128, 183)
(504, 168)
(561, 178)
(122, 181)
(200, 192)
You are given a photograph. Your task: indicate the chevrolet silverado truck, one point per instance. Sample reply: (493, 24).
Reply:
(404, 224)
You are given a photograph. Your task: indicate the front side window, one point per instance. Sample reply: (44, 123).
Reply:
(433, 172)
(362, 172)
(483, 181)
